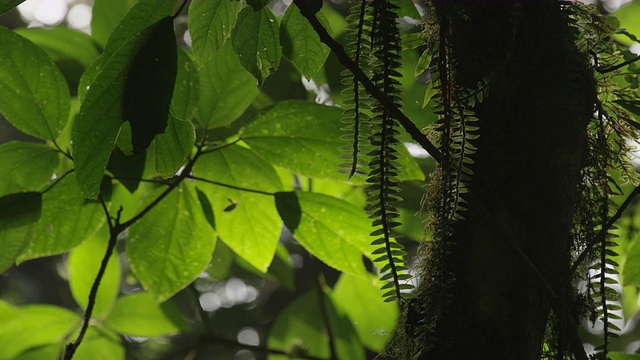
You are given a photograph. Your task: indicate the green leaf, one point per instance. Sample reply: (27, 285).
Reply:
(256, 41)
(100, 344)
(226, 89)
(98, 123)
(304, 137)
(623, 356)
(331, 229)
(301, 330)
(300, 136)
(247, 222)
(301, 44)
(408, 8)
(25, 166)
(42, 353)
(138, 314)
(631, 270)
(187, 90)
(66, 221)
(106, 16)
(18, 214)
(34, 95)
(63, 43)
(84, 263)
(35, 325)
(210, 25)
(6, 5)
(172, 244)
(149, 84)
(174, 146)
(360, 298)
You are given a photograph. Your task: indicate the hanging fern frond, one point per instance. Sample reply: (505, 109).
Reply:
(356, 100)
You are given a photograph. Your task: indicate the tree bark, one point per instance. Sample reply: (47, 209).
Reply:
(531, 149)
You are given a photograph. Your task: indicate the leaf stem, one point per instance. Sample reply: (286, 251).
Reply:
(230, 186)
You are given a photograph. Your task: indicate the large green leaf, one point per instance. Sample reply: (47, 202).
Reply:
(172, 244)
(6, 5)
(301, 136)
(226, 89)
(256, 40)
(248, 222)
(174, 146)
(34, 95)
(361, 299)
(333, 230)
(305, 138)
(100, 344)
(139, 314)
(18, 216)
(631, 270)
(98, 123)
(187, 90)
(106, 16)
(63, 43)
(210, 25)
(301, 329)
(25, 166)
(67, 220)
(35, 325)
(84, 262)
(301, 44)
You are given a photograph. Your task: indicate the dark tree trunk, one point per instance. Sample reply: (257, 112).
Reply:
(532, 144)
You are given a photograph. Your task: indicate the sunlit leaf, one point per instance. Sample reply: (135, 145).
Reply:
(631, 270)
(301, 44)
(305, 138)
(18, 216)
(187, 90)
(226, 89)
(25, 166)
(34, 95)
(67, 220)
(100, 344)
(256, 40)
(98, 123)
(210, 25)
(84, 262)
(139, 314)
(174, 146)
(35, 325)
(301, 329)
(333, 230)
(360, 298)
(172, 244)
(247, 222)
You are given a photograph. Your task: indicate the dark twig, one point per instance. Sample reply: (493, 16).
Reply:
(619, 66)
(230, 186)
(71, 348)
(371, 88)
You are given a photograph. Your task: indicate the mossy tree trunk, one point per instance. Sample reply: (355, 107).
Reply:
(531, 148)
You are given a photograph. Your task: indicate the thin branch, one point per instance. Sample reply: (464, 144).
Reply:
(325, 317)
(604, 231)
(57, 180)
(371, 88)
(71, 348)
(183, 175)
(216, 148)
(619, 66)
(230, 186)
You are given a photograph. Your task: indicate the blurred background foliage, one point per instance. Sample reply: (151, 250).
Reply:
(244, 306)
